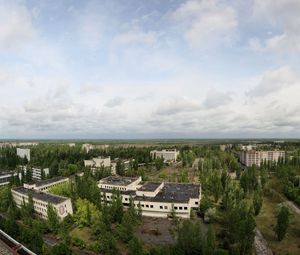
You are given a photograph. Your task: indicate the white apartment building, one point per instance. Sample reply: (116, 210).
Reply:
(62, 205)
(167, 154)
(125, 162)
(97, 162)
(37, 173)
(22, 153)
(6, 176)
(155, 199)
(45, 185)
(87, 147)
(256, 157)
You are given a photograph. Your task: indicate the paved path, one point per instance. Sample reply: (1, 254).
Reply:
(290, 204)
(261, 245)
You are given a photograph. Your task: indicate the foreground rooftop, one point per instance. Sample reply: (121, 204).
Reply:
(46, 197)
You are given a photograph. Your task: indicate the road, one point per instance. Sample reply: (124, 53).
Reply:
(261, 245)
(290, 204)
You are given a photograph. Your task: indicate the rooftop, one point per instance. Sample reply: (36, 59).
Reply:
(46, 197)
(118, 180)
(174, 193)
(149, 186)
(48, 181)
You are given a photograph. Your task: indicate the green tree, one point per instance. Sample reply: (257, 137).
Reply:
(257, 201)
(53, 220)
(282, 222)
(135, 247)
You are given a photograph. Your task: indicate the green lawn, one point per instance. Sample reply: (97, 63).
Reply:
(266, 221)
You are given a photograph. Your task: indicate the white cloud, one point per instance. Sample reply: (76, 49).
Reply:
(207, 23)
(215, 99)
(116, 101)
(273, 81)
(175, 106)
(283, 15)
(16, 28)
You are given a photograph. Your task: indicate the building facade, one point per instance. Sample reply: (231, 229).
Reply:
(98, 162)
(61, 205)
(154, 199)
(22, 153)
(37, 173)
(257, 157)
(45, 185)
(167, 154)
(5, 177)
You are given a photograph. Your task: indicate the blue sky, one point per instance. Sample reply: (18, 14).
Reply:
(149, 69)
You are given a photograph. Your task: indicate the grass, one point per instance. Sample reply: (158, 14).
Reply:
(266, 222)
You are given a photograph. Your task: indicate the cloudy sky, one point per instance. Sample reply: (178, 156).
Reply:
(149, 69)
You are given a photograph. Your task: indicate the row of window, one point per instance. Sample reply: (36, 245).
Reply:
(113, 187)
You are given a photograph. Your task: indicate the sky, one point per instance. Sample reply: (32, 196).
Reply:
(149, 69)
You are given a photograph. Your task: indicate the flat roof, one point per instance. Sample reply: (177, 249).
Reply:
(149, 186)
(174, 193)
(48, 181)
(5, 249)
(124, 192)
(46, 197)
(118, 180)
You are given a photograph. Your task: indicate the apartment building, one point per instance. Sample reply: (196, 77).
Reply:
(38, 172)
(45, 185)
(5, 177)
(167, 154)
(155, 199)
(98, 162)
(87, 147)
(256, 157)
(62, 205)
(126, 163)
(22, 153)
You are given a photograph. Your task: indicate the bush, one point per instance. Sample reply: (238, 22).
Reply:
(76, 241)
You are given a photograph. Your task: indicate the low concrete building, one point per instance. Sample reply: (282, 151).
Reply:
(22, 153)
(167, 154)
(38, 172)
(45, 185)
(155, 199)
(62, 205)
(97, 162)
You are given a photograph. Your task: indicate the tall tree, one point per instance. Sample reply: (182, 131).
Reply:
(282, 222)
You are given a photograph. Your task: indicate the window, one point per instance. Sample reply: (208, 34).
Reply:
(175, 207)
(161, 207)
(196, 203)
(185, 208)
(166, 207)
(151, 206)
(147, 206)
(126, 199)
(142, 205)
(180, 208)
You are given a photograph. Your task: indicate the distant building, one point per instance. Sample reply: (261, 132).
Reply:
(167, 154)
(45, 185)
(62, 205)
(126, 163)
(38, 172)
(87, 147)
(155, 199)
(5, 178)
(22, 153)
(97, 162)
(72, 144)
(256, 157)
